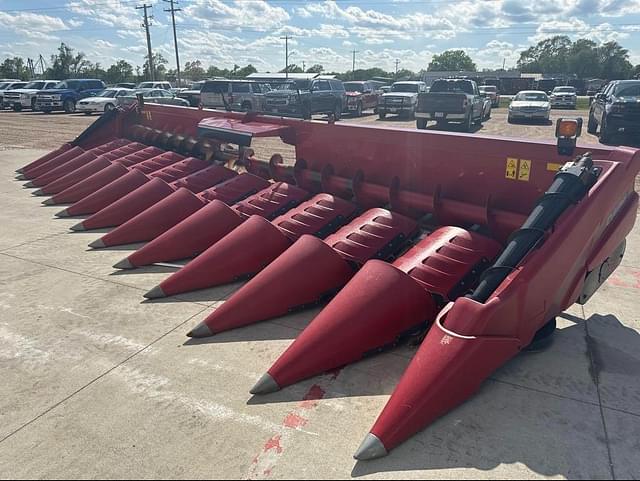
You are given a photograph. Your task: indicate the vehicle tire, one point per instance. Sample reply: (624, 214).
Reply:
(509, 119)
(605, 132)
(46, 111)
(88, 113)
(382, 115)
(17, 108)
(306, 113)
(337, 111)
(108, 108)
(592, 125)
(33, 105)
(69, 106)
(359, 110)
(421, 124)
(246, 107)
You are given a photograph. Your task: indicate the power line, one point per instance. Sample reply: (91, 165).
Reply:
(146, 26)
(353, 69)
(173, 11)
(286, 55)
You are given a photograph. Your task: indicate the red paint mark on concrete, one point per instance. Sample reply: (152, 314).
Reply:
(265, 462)
(626, 277)
(273, 444)
(293, 421)
(310, 400)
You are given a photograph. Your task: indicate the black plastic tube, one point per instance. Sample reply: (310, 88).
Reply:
(569, 186)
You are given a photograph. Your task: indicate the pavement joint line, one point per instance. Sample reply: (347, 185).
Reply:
(101, 376)
(596, 381)
(88, 276)
(56, 234)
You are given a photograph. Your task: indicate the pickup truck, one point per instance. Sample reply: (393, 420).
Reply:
(6, 86)
(307, 97)
(616, 109)
(451, 100)
(25, 97)
(66, 94)
(361, 96)
(401, 99)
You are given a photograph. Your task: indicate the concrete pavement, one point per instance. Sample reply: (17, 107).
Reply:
(98, 384)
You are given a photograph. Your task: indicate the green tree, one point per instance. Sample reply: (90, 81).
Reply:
(636, 72)
(121, 71)
(159, 66)
(246, 71)
(293, 68)
(14, 68)
(452, 61)
(548, 56)
(194, 70)
(61, 63)
(404, 74)
(582, 59)
(317, 68)
(614, 61)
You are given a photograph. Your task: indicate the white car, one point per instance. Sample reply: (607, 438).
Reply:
(25, 97)
(154, 85)
(530, 105)
(104, 101)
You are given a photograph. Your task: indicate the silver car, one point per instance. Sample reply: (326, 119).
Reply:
(240, 95)
(530, 105)
(153, 96)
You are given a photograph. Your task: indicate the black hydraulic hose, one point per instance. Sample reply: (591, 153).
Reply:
(569, 186)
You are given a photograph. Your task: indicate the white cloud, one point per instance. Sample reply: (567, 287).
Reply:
(32, 25)
(248, 14)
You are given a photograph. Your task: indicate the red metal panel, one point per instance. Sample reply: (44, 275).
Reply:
(276, 200)
(372, 235)
(235, 189)
(443, 258)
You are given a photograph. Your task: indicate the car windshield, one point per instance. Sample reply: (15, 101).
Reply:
(564, 90)
(146, 85)
(531, 97)
(108, 93)
(413, 88)
(628, 90)
(463, 86)
(35, 85)
(489, 88)
(354, 87)
(197, 86)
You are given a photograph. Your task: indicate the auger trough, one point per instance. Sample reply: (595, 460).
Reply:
(467, 245)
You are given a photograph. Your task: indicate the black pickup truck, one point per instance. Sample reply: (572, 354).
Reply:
(616, 109)
(451, 100)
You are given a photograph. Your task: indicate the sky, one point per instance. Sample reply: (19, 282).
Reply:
(228, 32)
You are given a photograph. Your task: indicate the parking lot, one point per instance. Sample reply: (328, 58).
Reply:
(36, 130)
(97, 384)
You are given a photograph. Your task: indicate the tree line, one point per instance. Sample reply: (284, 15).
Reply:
(557, 55)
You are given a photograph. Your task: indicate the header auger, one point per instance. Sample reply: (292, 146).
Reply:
(467, 245)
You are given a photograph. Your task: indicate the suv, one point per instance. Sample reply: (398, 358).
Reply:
(9, 85)
(244, 95)
(616, 109)
(154, 85)
(451, 100)
(361, 96)
(308, 97)
(66, 94)
(401, 99)
(564, 97)
(25, 97)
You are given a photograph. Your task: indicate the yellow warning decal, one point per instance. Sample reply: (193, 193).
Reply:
(524, 172)
(553, 167)
(511, 172)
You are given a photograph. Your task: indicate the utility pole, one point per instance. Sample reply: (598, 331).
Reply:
(397, 63)
(173, 11)
(353, 69)
(304, 66)
(286, 55)
(146, 26)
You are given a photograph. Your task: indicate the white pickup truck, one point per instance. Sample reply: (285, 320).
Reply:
(25, 97)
